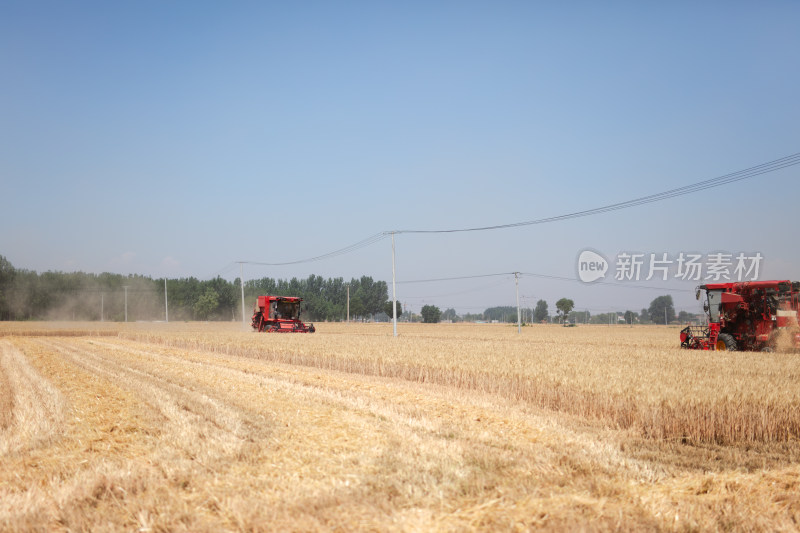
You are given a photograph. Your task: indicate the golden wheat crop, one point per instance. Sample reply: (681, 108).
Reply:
(205, 427)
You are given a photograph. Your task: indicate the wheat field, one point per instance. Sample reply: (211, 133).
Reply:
(210, 427)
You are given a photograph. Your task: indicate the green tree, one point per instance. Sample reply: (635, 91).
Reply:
(505, 313)
(6, 278)
(579, 317)
(206, 304)
(661, 307)
(387, 308)
(373, 294)
(227, 297)
(631, 317)
(644, 316)
(604, 318)
(357, 308)
(430, 314)
(540, 314)
(450, 314)
(564, 306)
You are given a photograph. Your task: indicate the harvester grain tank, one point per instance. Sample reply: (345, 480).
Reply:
(749, 315)
(279, 314)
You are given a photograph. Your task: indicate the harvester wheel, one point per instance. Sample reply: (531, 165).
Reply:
(726, 343)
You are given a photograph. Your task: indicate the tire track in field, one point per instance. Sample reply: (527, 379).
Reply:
(6, 398)
(439, 439)
(345, 439)
(352, 396)
(347, 391)
(385, 398)
(37, 409)
(77, 482)
(430, 410)
(202, 427)
(350, 440)
(324, 451)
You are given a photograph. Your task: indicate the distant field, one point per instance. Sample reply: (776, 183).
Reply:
(204, 426)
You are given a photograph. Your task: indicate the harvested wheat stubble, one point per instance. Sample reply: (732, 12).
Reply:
(35, 408)
(163, 438)
(662, 392)
(80, 480)
(59, 333)
(62, 329)
(6, 396)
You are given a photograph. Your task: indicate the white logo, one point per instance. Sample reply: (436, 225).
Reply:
(591, 266)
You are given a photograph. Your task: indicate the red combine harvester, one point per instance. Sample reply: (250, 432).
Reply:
(279, 314)
(746, 316)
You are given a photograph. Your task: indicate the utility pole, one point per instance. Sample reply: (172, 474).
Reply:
(241, 282)
(348, 303)
(102, 302)
(665, 315)
(166, 306)
(394, 294)
(126, 302)
(519, 320)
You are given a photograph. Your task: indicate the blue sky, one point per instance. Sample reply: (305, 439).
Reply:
(176, 138)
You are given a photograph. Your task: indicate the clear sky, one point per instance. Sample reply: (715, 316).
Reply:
(174, 138)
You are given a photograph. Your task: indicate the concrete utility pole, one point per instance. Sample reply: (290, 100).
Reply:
(126, 302)
(348, 303)
(241, 282)
(394, 293)
(102, 302)
(519, 320)
(166, 307)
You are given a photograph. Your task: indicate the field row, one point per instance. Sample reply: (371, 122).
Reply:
(631, 378)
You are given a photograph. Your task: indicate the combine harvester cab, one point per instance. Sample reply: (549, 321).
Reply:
(748, 316)
(279, 314)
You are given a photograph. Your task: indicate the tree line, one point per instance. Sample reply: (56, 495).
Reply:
(660, 311)
(28, 295)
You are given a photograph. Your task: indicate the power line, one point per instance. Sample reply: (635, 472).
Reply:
(224, 270)
(620, 285)
(347, 249)
(551, 277)
(457, 277)
(474, 289)
(747, 173)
